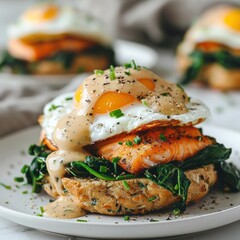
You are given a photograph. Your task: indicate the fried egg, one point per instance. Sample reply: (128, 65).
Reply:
(135, 115)
(49, 19)
(220, 24)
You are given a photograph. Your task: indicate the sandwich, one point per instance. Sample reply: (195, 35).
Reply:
(209, 53)
(125, 142)
(56, 39)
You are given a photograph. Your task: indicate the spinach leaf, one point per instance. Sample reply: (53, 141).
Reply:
(200, 59)
(171, 178)
(36, 171)
(229, 176)
(212, 154)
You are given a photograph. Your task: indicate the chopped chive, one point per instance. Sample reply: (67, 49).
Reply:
(112, 73)
(98, 72)
(137, 140)
(68, 98)
(24, 192)
(53, 107)
(127, 65)
(144, 102)
(162, 137)
(189, 99)
(115, 162)
(103, 169)
(41, 209)
(127, 73)
(18, 179)
(176, 211)
(39, 214)
(165, 94)
(6, 186)
(126, 218)
(81, 220)
(116, 113)
(120, 143)
(152, 198)
(133, 64)
(129, 143)
(126, 185)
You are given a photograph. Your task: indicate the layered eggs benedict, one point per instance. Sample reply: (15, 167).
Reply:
(124, 143)
(209, 52)
(56, 39)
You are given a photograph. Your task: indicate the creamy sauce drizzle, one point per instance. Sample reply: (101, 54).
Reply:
(72, 131)
(64, 207)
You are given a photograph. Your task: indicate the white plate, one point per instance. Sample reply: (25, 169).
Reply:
(125, 51)
(215, 210)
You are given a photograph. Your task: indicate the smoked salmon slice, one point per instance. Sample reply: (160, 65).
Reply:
(142, 150)
(36, 51)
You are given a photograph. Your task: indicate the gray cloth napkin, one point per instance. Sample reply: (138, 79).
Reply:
(21, 102)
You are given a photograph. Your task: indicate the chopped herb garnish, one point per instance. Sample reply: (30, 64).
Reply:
(127, 65)
(39, 214)
(127, 73)
(116, 113)
(129, 143)
(41, 209)
(162, 137)
(6, 186)
(189, 99)
(176, 211)
(53, 107)
(133, 64)
(126, 218)
(137, 140)
(98, 72)
(120, 143)
(18, 179)
(103, 169)
(24, 192)
(24, 169)
(165, 94)
(112, 73)
(82, 220)
(144, 102)
(126, 185)
(115, 162)
(68, 98)
(152, 198)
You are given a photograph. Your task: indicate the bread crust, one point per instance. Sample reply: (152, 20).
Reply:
(111, 198)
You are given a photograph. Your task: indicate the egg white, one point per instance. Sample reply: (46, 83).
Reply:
(219, 34)
(135, 115)
(69, 20)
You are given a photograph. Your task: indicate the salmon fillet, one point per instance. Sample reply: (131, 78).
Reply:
(153, 147)
(36, 51)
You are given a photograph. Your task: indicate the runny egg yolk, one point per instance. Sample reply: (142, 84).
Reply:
(107, 102)
(232, 19)
(148, 83)
(110, 101)
(41, 14)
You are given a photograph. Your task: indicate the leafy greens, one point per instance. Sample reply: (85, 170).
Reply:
(201, 59)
